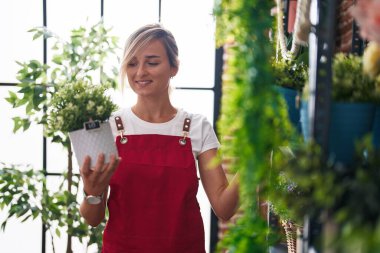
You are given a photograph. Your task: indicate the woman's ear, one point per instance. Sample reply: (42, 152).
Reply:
(173, 72)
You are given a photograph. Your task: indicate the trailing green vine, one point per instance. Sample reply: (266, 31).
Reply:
(253, 115)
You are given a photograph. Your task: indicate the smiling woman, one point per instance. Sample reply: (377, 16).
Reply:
(162, 147)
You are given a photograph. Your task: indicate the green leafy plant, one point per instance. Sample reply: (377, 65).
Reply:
(334, 194)
(76, 103)
(79, 59)
(54, 96)
(350, 83)
(290, 74)
(23, 193)
(253, 117)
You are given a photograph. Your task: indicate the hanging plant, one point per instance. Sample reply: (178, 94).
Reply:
(253, 116)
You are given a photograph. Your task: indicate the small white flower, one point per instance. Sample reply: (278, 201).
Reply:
(90, 105)
(99, 109)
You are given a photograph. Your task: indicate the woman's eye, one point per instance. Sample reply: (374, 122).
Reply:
(132, 64)
(153, 63)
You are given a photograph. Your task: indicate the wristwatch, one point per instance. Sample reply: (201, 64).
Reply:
(92, 199)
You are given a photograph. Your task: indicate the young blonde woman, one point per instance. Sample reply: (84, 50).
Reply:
(153, 182)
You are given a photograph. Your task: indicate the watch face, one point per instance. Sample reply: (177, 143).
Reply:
(93, 200)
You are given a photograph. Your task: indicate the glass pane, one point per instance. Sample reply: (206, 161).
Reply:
(83, 13)
(20, 147)
(193, 26)
(126, 16)
(57, 158)
(21, 237)
(195, 101)
(63, 16)
(53, 183)
(17, 44)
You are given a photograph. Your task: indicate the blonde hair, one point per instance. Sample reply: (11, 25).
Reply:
(141, 37)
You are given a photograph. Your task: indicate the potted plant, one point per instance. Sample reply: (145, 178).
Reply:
(82, 110)
(290, 78)
(48, 93)
(343, 201)
(352, 108)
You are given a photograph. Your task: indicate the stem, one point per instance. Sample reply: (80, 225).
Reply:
(52, 240)
(69, 188)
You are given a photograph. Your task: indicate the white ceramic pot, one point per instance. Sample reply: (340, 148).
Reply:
(92, 140)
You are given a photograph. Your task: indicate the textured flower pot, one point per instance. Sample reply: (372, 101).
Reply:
(290, 96)
(93, 139)
(349, 122)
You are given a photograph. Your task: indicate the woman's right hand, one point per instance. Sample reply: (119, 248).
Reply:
(96, 179)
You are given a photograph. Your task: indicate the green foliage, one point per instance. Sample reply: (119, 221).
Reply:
(60, 96)
(253, 115)
(350, 83)
(23, 195)
(308, 184)
(247, 235)
(290, 74)
(76, 103)
(79, 59)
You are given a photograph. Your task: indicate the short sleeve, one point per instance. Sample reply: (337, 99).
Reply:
(202, 135)
(209, 140)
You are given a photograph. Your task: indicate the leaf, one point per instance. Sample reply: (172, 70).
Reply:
(29, 107)
(4, 224)
(38, 96)
(37, 35)
(57, 232)
(12, 98)
(22, 101)
(57, 59)
(34, 64)
(26, 218)
(16, 124)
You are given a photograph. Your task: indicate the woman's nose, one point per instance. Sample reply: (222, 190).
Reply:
(141, 71)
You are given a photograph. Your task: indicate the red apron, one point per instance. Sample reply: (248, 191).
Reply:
(152, 205)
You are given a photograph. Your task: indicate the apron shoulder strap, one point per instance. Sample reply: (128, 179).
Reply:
(120, 129)
(119, 124)
(186, 125)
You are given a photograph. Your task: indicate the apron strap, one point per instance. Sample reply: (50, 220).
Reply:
(186, 125)
(185, 130)
(120, 129)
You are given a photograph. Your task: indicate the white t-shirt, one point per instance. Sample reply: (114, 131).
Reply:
(201, 133)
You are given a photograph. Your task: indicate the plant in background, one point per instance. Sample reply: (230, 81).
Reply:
(49, 92)
(290, 74)
(79, 59)
(346, 197)
(24, 196)
(350, 82)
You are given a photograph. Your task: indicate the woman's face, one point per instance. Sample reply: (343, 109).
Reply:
(149, 70)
